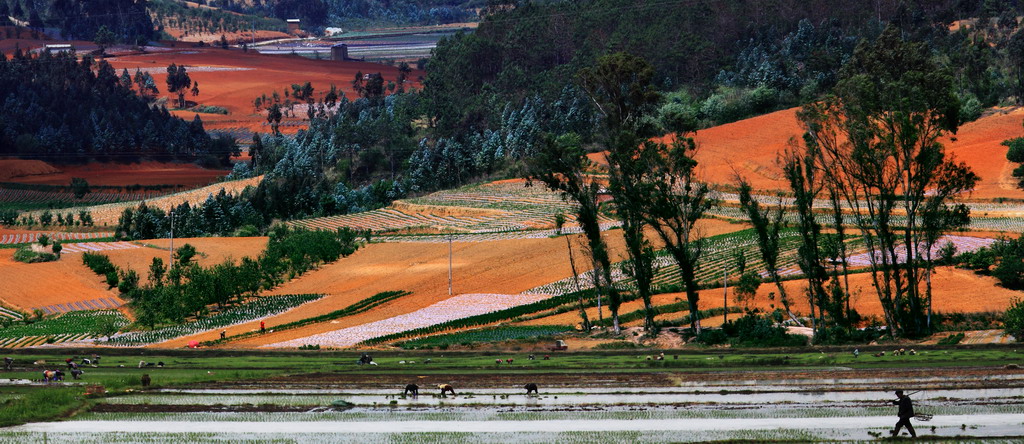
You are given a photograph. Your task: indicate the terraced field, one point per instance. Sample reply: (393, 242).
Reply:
(22, 238)
(108, 214)
(498, 207)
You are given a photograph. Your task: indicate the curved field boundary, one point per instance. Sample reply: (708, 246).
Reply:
(457, 307)
(492, 236)
(110, 213)
(8, 195)
(487, 208)
(8, 313)
(92, 304)
(32, 341)
(24, 238)
(98, 246)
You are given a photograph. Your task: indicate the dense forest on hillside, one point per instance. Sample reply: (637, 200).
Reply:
(724, 59)
(55, 106)
(491, 98)
(128, 20)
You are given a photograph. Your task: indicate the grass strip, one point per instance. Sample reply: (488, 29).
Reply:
(42, 405)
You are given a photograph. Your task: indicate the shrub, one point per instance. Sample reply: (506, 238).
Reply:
(98, 263)
(1013, 319)
(753, 330)
(712, 336)
(25, 254)
(952, 339)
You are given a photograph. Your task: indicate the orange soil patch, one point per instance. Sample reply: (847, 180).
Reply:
(117, 174)
(236, 90)
(979, 144)
(212, 251)
(12, 169)
(954, 290)
(750, 147)
(504, 267)
(48, 283)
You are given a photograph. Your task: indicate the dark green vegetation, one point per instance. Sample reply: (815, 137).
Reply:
(490, 335)
(1014, 319)
(109, 21)
(38, 122)
(28, 255)
(185, 289)
(95, 323)
(1003, 260)
(725, 59)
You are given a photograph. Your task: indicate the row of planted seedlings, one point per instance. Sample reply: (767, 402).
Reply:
(488, 335)
(356, 308)
(261, 307)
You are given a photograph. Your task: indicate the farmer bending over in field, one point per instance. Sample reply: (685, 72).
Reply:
(531, 388)
(413, 389)
(906, 411)
(8, 362)
(446, 388)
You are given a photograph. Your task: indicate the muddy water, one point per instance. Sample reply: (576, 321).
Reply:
(576, 397)
(988, 425)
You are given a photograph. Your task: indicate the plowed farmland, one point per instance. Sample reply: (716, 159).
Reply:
(954, 290)
(186, 175)
(211, 251)
(750, 147)
(29, 286)
(496, 267)
(233, 79)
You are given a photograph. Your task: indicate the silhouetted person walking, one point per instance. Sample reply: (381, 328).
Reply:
(906, 411)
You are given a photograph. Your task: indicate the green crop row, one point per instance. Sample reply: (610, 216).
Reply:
(473, 321)
(94, 323)
(260, 308)
(358, 307)
(485, 335)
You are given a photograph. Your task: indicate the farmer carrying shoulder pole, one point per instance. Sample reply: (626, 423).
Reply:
(906, 411)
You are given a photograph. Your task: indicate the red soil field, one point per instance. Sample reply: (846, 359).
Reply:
(954, 290)
(12, 170)
(212, 251)
(750, 147)
(255, 74)
(502, 267)
(37, 285)
(186, 175)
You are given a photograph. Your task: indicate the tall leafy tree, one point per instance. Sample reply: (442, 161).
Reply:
(878, 137)
(178, 82)
(620, 87)
(562, 166)
(767, 224)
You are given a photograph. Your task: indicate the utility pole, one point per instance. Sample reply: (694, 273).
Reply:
(170, 253)
(725, 297)
(450, 265)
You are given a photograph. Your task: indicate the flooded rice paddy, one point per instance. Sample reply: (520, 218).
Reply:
(978, 406)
